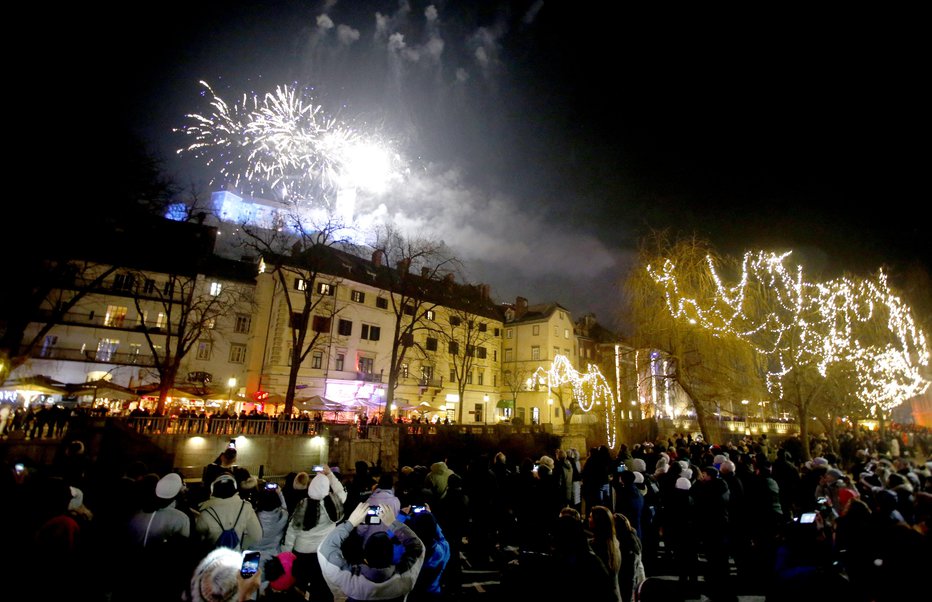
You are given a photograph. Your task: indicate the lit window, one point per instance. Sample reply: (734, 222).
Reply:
(115, 316)
(430, 315)
(509, 332)
(404, 371)
(300, 284)
(105, 349)
(535, 352)
(358, 296)
(210, 323)
(324, 288)
(215, 288)
(566, 333)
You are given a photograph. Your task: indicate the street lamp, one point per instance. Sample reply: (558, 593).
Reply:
(231, 383)
(745, 402)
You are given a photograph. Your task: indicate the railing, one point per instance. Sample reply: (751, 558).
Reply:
(91, 355)
(177, 425)
(369, 377)
(94, 320)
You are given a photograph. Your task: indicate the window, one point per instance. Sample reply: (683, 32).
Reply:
(215, 288)
(321, 324)
(407, 339)
(509, 355)
(160, 320)
(509, 333)
(483, 327)
(238, 353)
(469, 377)
(47, 344)
(453, 348)
(123, 282)
(452, 375)
(430, 344)
(149, 287)
(556, 331)
(300, 284)
(324, 288)
(478, 412)
(168, 289)
(494, 379)
(566, 333)
(203, 350)
(408, 309)
(470, 350)
(430, 315)
(535, 352)
(210, 323)
(566, 352)
(427, 373)
(297, 321)
(556, 352)
(243, 323)
(365, 365)
(381, 302)
(481, 375)
(497, 332)
(495, 355)
(345, 328)
(535, 330)
(358, 296)
(105, 349)
(455, 321)
(317, 360)
(404, 371)
(115, 316)
(370, 333)
(340, 361)
(481, 353)
(535, 415)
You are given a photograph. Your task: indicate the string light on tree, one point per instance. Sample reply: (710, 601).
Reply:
(589, 389)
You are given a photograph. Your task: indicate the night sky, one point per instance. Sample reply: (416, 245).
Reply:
(545, 138)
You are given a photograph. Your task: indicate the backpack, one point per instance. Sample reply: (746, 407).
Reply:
(228, 537)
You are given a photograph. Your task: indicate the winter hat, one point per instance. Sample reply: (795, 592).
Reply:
(215, 577)
(687, 474)
(717, 461)
(319, 487)
(683, 483)
(683, 463)
(168, 486)
(638, 477)
(77, 499)
(301, 481)
(638, 464)
(819, 462)
(834, 472)
(546, 461)
(223, 486)
(845, 495)
(250, 483)
(286, 581)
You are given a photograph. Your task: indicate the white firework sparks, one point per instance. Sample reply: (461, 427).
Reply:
(283, 146)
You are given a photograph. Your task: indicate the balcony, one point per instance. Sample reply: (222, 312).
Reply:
(74, 318)
(369, 377)
(92, 355)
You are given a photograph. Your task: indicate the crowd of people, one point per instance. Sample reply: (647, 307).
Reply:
(740, 517)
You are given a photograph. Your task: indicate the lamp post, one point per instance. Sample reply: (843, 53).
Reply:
(231, 383)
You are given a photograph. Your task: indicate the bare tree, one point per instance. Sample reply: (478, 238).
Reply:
(301, 258)
(415, 271)
(464, 334)
(191, 306)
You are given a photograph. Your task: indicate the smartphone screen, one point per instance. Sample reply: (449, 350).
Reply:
(417, 509)
(19, 468)
(373, 515)
(807, 517)
(250, 564)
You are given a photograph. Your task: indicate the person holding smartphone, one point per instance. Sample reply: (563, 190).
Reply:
(225, 574)
(273, 516)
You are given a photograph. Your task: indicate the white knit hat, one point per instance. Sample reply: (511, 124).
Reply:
(682, 483)
(319, 487)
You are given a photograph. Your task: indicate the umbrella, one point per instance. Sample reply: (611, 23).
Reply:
(38, 384)
(317, 403)
(101, 388)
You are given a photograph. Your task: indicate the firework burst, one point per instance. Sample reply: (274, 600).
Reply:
(279, 145)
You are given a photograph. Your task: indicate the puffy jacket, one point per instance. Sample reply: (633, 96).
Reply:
(247, 527)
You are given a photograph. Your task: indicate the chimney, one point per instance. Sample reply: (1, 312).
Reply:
(520, 307)
(403, 265)
(448, 279)
(425, 272)
(377, 256)
(484, 291)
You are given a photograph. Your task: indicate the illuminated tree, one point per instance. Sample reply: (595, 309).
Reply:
(711, 365)
(801, 328)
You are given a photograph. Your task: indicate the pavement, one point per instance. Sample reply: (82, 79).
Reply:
(484, 584)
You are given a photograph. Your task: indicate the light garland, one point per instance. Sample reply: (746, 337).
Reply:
(589, 389)
(811, 324)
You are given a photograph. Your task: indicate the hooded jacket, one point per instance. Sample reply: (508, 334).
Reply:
(361, 582)
(247, 527)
